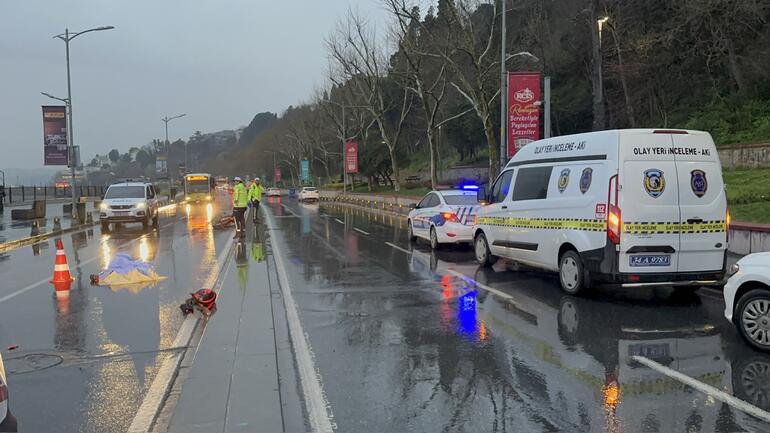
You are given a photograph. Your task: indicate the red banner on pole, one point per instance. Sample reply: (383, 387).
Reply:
(524, 102)
(351, 157)
(277, 174)
(55, 135)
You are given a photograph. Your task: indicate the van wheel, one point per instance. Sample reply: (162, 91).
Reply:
(155, 221)
(483, 254)
(571, 274)
(434, 239)
(753, 314)
(410, 232)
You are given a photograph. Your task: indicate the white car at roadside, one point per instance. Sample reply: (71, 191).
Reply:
(308, 193)
(7, 420)
(444, 216)
(747, 299)
(273, 192)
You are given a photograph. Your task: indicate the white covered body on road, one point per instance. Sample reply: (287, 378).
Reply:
(444, 216)
(636, 207)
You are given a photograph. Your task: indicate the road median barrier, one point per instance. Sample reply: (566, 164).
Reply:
(399, 205)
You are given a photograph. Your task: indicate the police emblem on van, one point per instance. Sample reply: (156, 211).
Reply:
(585, 179)
(654, 182)
(563, 180)
(698, 182)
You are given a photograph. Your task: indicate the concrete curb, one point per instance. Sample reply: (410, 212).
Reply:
(12, 245)
(153, 401)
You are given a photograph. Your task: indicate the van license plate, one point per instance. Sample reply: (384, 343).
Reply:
(124, 213)
(650, 260)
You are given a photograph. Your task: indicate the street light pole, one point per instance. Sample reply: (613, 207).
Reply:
(67, 37)
(344, 155)
(503, 94)
(165, 120)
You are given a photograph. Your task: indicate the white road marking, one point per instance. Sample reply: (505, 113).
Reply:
(335, 219)
(706, 389)
(481, 285)
(398, 248)
(318, 408)
(361, 231)
(151, 404)
(48, 280)
(289, 209)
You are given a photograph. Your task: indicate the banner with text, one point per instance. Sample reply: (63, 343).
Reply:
(54, 135)
(304, 170)
(523, 109)
(277, 174)
(351, 157)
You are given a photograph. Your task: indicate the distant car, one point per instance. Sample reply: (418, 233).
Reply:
(747, 299)
(7, 420)
(273, 192)
(129, 202)
(308, 193)
(444, 217)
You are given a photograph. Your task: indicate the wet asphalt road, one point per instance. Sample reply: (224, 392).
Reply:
(84, 363)
(406, 339)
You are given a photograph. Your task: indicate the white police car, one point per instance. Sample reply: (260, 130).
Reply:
(445, 216)
(747, 299)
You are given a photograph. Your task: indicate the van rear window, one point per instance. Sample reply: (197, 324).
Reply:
(532, 183)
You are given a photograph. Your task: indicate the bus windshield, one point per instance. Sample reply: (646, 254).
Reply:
(197, 184)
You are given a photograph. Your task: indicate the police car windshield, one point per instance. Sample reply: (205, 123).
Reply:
(309, 189)
(125, 192)
(461, 199)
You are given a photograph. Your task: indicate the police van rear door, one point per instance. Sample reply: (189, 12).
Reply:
(702, 202)
(649, 204)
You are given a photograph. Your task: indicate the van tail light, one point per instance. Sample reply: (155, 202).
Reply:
(728, 220)
(614, 223)
(3, 392)
(450, 217)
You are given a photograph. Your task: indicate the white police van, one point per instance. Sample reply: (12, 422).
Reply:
(637, 207)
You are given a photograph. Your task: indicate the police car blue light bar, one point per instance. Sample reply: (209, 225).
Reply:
(469, 187)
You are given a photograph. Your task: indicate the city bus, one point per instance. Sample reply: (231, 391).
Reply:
(198, 187)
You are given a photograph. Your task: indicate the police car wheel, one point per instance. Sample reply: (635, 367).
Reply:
(434, 243)
(483, 255)
(410, 232)
(571, 272)
(753, 318)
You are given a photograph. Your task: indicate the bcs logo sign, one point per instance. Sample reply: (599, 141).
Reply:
(524, 95)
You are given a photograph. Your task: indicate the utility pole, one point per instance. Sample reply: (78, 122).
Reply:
(344, 154)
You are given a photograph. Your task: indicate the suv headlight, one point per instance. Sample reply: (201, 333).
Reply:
(103, 206)
(141, 205)
(734, 269)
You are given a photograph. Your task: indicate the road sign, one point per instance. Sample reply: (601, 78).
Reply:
(305, 170)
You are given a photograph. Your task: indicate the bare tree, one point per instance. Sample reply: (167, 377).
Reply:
(355, 49)
(466, 45)
(426, 73)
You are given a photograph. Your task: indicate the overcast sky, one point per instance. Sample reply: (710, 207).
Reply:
(219, 61)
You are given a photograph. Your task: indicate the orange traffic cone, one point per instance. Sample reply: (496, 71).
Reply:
(61, 271)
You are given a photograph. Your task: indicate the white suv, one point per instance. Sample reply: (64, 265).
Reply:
(129, 202)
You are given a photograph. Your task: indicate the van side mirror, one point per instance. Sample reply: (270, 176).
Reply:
(481, 195)
(412, 205)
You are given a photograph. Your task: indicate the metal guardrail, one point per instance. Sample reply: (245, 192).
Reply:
(21, 194)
